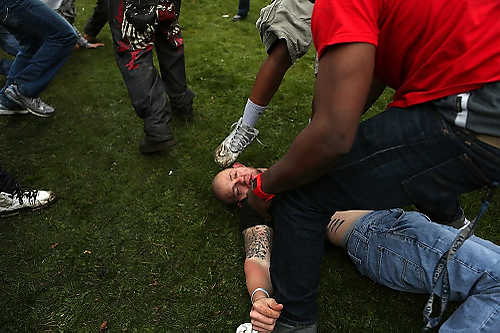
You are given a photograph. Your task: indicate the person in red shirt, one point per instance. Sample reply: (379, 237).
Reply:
(439, 138)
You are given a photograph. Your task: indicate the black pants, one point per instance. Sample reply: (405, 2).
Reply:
(149, 90)
(98, 19)
(7, 183)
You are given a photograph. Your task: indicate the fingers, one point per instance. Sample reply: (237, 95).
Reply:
(95, 45)
(264, 309)
(275, 306)
(261, 326)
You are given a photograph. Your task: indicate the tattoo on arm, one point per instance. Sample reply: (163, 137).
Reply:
(335, 224)
(258, 242)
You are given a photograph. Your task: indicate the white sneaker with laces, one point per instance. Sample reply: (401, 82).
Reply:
(12, 203)
(234, 144)
(33, 104)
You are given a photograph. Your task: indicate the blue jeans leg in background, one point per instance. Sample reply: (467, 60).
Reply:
(45, 43)
(10, 45)
(243, 7)
(400, 250)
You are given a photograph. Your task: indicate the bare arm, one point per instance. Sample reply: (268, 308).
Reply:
(376, 90)
(341, 92)
(265, 310)
(258, 256)
(270, 74)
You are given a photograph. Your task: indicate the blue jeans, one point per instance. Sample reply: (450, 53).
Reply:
(400, 157)
(400, 250)
(10, 45)
(46, 41)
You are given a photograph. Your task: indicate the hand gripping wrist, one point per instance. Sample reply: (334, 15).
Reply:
(257, 189)
(256, 290)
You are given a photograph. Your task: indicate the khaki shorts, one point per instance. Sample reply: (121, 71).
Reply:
(289, 20)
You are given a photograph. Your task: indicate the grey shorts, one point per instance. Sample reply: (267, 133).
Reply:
(289, 20)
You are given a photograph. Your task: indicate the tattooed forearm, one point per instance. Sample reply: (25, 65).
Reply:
(258, 241)
(335, 223)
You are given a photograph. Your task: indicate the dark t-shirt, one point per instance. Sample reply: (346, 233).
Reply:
(249, 217)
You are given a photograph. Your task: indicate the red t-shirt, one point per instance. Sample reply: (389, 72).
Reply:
(426, 49)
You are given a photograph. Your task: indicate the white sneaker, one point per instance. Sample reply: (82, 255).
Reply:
(245, 328)
(466, 223)
(33, 104)
(234, 144)
(11, 204)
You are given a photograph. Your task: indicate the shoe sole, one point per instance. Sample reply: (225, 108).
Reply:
(156, 147)
(12, 112)
(43, 115)
(17, 212)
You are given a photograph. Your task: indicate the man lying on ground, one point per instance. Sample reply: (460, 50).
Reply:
(392, 247)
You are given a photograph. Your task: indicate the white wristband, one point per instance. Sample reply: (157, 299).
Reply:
(256, 290)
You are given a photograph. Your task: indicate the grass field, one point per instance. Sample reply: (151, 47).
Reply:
(139, 241)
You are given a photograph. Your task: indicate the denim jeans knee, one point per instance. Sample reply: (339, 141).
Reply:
(45, 43)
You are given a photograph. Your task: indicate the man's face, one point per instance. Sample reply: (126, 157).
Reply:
(232, 184)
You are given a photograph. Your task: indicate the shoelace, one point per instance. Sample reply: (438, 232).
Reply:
(38, 103)
(29, 195)
(242, 138)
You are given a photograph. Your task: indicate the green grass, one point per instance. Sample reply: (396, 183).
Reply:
(139, 241)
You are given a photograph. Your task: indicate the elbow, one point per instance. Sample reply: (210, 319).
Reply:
(334, 145)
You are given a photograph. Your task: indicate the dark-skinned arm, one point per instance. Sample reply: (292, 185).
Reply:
(271, 73)
(375, 91)
(341, 92)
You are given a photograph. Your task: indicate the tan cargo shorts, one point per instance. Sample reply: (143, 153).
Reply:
(289, 20)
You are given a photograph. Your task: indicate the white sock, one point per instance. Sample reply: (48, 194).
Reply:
(252, 113)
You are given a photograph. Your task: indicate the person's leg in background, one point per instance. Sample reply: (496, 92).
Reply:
(145, 86)
(243, 9)
(45, 45)
(96, 22)
(173, 73)
(9, 44)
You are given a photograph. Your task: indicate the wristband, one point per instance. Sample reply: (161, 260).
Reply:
(257, 189)
(256, 290)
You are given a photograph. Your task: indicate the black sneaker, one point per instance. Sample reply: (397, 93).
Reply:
(13, 203)
(6, 111)
(33, 104)
(461, 221)
(182, 106)
(148, 147)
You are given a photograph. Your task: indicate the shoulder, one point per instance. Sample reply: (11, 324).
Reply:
(250, 218)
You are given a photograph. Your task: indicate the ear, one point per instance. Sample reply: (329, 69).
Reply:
(238, 165)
